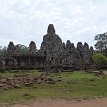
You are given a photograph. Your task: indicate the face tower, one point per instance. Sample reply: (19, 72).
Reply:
(52, 45)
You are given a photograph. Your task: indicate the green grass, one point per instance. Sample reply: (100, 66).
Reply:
(19, 72)
(73, 85)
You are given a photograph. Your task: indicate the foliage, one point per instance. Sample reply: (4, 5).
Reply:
(3, 51)
(101, 42)
(100, 60)
(21, 49)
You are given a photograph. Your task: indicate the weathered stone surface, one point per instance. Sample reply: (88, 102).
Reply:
(51, 29)
(32, 48)
(10, 49)
(18, 81)
(91, 50)
(52, 46)
(53, 53)
(68, 44)
(2, 64)
(1, 85)
(85, 55)
(69, 55)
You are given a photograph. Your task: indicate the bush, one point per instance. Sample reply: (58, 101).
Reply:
(100, 60)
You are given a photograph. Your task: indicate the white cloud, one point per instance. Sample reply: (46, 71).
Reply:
(78, 20)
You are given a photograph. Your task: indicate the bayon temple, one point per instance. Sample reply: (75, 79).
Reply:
(53, 53)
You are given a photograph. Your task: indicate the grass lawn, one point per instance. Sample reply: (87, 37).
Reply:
(76, 84)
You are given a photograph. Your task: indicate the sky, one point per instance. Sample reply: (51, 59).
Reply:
(22, 21)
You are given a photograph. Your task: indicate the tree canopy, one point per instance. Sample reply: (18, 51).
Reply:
(101, 44)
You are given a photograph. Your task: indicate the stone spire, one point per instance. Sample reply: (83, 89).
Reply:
(91, 50)
(10, 49)
(32, 47)
(51, 29)
(86, 47)
(68, 44)
(52, 45)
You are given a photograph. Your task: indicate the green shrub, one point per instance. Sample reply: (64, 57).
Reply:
(100, 60)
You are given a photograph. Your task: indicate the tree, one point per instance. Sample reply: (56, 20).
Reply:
(101, 44)
(100, 60)
(3, 51)
(20, 49)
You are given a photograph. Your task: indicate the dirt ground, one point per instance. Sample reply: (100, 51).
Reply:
(99, 102)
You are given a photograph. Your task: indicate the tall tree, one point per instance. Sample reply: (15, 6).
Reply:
(101, 44)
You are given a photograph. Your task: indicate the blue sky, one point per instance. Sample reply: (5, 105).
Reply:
(22, 21)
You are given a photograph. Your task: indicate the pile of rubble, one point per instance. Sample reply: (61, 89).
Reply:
(24, 80)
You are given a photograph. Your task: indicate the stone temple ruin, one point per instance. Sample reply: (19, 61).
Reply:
(53, 53)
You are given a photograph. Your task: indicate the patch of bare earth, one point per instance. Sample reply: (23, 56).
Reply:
(99, 102)
(105, 72)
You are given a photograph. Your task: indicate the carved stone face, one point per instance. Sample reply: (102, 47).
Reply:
(51, 29)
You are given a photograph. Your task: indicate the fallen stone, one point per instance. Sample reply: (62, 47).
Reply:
(1, 85)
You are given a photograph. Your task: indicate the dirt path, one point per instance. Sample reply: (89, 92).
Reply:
(64, 103)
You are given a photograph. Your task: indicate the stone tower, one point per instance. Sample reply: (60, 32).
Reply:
(52, 46)
(10, 49)
(32, 47)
